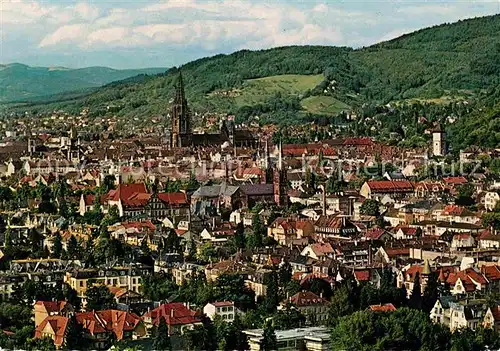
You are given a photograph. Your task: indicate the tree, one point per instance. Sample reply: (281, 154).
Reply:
(370, 208)
(74, 248)
(172, 242)
(288, 318)
(161, 340)
(256, 239)
(416, 293)
(57, 246)
(240, 341)
(145, 247)
(403, 329)
(271, 299)
(74, 335)
(292, 287)
(285, 274)
(99, 298)
(239, 236)
(269, 341)
(341, 304)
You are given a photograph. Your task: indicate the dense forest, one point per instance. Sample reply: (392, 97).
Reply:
(436, 66)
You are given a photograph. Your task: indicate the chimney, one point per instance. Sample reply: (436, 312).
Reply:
(213, 223)
(172, 313)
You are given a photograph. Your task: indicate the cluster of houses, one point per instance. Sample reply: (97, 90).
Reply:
(416, 228)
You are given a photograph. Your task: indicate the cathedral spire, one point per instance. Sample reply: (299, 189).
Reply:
(179, 91)
(280, 157)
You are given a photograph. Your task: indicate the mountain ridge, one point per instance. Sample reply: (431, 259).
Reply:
(450, 60)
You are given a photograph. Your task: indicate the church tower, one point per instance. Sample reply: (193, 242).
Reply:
(438, 141)
(280, 181)
(181, 132)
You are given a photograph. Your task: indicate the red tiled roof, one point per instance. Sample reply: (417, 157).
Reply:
(52, 306)
(58, 324)
(390, 186)
(115, 321)
(392, 252)
(222, 303)
(321, 249)
(178, 198)
(374, 234)
(406, 230)
(455, 180)
(126, 191)
(141, 226)
(492, 273)
(362, 275)
(307, 298)
(175, 313)
(383, 308)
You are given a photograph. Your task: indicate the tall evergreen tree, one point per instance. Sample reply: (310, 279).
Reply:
(271, 299)
(269, 341)
(239, 236)
(416, 293)
(74, 335)
(57, 246)
(161, 340)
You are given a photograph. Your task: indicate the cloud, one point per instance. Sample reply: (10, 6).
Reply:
(73, 33)
(196, 28)
(207, 24)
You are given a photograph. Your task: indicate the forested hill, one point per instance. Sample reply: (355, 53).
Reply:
(462, 58)
(20, 81)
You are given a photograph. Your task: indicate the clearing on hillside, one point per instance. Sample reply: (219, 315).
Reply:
(258, 90)
(323, 105)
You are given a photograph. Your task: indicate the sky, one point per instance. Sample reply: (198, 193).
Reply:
(147, 33)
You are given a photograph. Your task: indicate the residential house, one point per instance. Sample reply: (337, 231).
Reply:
(491, 199)
(318, 251)
(177, 316)
(492, 318)
(44, 309)
(334, 227)
(53, 327)
(440, 312)
(377, 189)
(466, 314)
(225, 309)
(101, 328)
(458, 214)
(129, 277)
(463, 241)
(286, 230)
(312, 306)
(488, 240)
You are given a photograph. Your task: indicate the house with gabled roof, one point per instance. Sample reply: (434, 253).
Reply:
(44, 309)
(177, 316)
(312, 306)
(53, 327)
(318, 251)
(377, 189)
(492, 318)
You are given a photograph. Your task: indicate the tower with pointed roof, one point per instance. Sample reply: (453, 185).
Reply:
(426, 273)
(181, 130)
(280, 182)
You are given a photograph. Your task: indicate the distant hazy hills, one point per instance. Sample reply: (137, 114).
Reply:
(19, 82)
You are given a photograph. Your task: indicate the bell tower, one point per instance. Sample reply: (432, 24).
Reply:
(280, 181)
